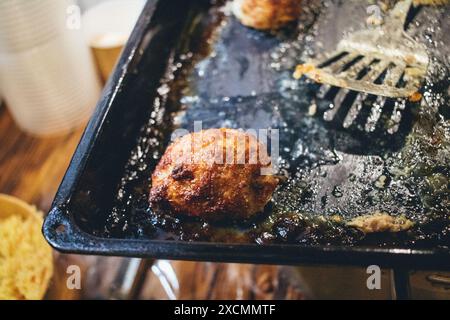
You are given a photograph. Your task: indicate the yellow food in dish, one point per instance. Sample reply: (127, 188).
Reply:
(26, 263)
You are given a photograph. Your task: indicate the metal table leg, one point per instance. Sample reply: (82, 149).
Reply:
(128, 284)
(401, 287)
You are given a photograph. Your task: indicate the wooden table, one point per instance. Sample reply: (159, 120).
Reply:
(31, 169)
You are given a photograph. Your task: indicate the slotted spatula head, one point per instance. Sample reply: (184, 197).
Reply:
(382, 61)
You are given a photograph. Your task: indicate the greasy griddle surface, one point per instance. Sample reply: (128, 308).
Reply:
(227, 75)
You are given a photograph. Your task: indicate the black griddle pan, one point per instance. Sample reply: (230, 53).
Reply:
(76, 222)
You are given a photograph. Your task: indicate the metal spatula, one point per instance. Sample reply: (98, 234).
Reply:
(382, 61)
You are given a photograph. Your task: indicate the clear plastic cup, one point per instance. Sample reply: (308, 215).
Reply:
(52, 87)
(28, 23)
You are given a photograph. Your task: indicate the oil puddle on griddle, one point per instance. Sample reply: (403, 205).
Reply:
(333, 174)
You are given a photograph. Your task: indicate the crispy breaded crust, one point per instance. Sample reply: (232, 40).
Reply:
(194, 178)
(267, 14)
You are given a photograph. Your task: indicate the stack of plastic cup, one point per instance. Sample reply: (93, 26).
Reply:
(47, 75)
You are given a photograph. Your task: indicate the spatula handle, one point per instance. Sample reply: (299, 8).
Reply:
(397, 16)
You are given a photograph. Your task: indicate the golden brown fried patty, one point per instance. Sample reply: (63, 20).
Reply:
(213, 174)
(266, 14)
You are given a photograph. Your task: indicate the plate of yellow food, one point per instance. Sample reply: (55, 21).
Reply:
(26, 262)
